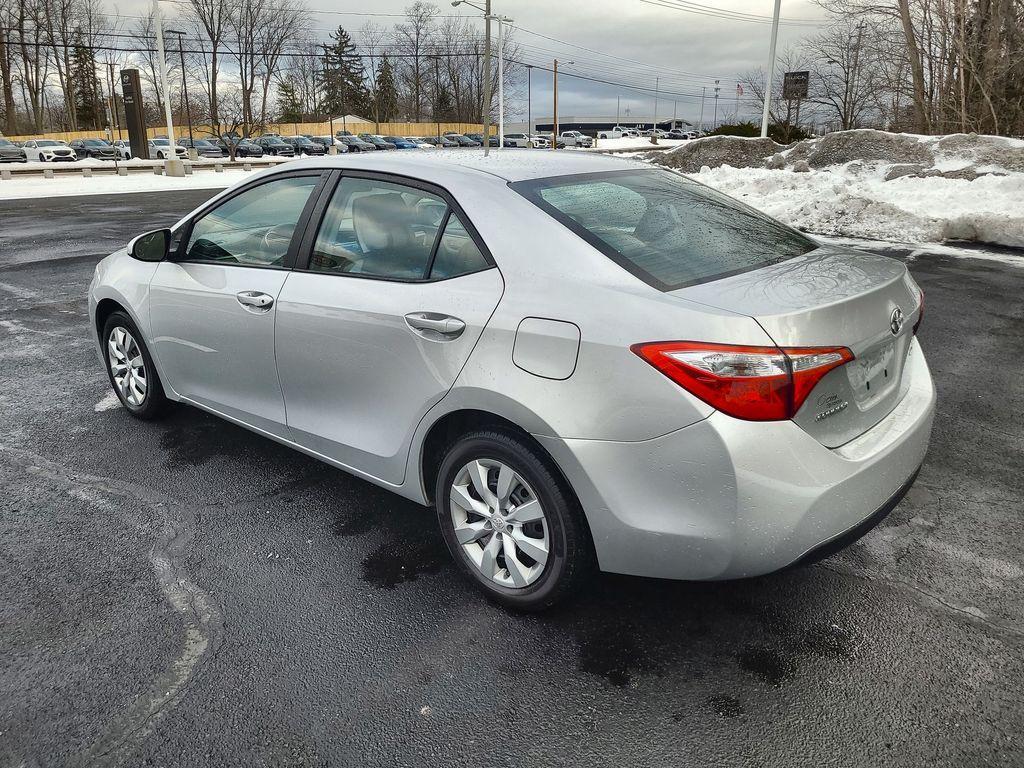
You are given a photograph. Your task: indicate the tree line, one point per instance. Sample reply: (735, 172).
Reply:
(246, 63)
(924, 66)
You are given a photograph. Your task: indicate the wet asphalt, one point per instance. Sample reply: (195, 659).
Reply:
(186, 593)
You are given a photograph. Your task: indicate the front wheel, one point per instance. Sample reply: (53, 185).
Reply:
(130, 368)
(511, 522)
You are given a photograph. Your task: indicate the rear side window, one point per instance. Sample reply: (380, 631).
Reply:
(665, 229)
(457, 254)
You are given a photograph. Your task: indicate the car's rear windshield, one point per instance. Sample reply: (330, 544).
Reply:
(665, 229)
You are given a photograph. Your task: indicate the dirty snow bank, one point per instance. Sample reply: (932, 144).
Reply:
(989, 209)
(870, 184)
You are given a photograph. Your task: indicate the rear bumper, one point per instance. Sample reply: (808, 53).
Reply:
(725, 498)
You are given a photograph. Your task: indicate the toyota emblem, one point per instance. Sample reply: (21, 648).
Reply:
(896, 321)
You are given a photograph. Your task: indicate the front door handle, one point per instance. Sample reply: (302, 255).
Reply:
(435, 326)
(255, 301)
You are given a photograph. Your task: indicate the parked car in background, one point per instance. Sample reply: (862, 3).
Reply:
(273, 145)
(441, 142)
(401, 142)
(575, 139)
(160, 149)
(676, 133)
(328, 141)
(304, 146)
(479, 139)
(465, 141)
(11, 152)
(517, 140)
(377, 141)
(340, 134)
(203, 148)
(123, 148)
(540, 141)
(243, 147)
(48, 151)
(97, 149)
(420, 142)
(355, 144)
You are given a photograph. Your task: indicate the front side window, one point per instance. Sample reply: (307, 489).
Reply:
(665, 229)
(253, 228)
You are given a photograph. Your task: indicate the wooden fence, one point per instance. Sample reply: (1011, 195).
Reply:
(285, 129)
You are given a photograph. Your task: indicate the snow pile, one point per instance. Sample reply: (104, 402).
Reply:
(71, 184)
(871, 184)
(908, 209)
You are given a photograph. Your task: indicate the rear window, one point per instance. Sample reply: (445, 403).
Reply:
(665, 229)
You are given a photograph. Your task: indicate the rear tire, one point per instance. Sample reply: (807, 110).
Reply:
(524, 542)
(130, 368)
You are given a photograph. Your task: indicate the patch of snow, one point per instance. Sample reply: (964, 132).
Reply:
(66, 185)
(108, 403)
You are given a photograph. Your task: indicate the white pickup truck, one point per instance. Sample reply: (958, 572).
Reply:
(618, 132)
(575, 139)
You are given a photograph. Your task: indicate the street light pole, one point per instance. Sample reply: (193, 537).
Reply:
(529, 100)
(703, 91)
(502, 21)
(654, 129)
(771, 69)
(184, 82)
(172, 165)
(487, 69)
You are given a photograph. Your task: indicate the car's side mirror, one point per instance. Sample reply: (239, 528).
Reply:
(152, 246)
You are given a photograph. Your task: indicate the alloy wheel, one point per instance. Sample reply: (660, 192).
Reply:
(499, 523)
(127, 366)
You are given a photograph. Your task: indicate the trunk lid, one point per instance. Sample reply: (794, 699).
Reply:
(832, 296)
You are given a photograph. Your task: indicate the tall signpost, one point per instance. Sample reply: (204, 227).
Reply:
(134, 114)
(771, 70)
(794, 88)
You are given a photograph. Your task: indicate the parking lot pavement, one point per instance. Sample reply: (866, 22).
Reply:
(187, 593)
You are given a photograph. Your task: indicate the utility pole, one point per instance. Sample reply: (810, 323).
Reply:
(437, 96)
(502, 21)
(717, 89)
(172, 165)
(851, 84)
(487, 78)
(617, 99)
(113, 99)
(703, 92)
(529, 100)
(330, 112)
(771, 69)
(654, 127)
(554, 115)
(675, 111)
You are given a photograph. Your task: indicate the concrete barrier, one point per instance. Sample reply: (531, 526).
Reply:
(48, 173)
(5, 174)
(86, 173)
(158, 170)
(122, 170)
(246, 166)
(218, 167)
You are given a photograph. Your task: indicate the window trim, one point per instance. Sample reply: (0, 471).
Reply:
(530, 190)
(300, 225)
(312, 232)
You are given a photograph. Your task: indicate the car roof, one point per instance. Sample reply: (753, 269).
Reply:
(511, 165)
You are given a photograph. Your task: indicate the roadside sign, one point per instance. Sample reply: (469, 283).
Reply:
(794, 85)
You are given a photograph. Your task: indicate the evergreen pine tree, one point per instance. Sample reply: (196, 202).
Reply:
(343, 86)
(386, 92)
(289, 104)
(85, 86)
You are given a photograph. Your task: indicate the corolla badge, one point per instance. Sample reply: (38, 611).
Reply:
(832, 404)
(896, 321)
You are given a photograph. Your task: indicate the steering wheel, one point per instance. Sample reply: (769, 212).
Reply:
(278, 236)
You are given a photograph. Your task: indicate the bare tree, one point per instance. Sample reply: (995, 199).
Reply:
(413, 39)
(211, 19)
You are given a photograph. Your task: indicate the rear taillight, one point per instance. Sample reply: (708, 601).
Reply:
(752, 383)
(920, 314)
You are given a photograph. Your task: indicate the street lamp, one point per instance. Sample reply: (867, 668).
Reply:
(487, 68)
(184, 85)
(502, 21)
(172, 165)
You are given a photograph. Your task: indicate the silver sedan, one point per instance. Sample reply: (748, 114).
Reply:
(580, 362)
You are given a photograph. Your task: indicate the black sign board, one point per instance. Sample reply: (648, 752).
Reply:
(794, 85)
(131, 89)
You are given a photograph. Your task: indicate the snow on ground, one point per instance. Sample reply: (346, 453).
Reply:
(66, 185)
(643, 142)
(835, 202)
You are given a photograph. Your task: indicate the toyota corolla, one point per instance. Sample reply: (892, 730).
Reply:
(580, 362)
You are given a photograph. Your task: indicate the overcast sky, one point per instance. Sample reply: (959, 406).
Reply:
(630, 41)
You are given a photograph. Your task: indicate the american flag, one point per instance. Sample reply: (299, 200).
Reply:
(739, 89)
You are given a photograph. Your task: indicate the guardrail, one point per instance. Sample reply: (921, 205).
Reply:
(108, 168)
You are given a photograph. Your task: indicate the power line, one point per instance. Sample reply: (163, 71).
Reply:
(721, 13)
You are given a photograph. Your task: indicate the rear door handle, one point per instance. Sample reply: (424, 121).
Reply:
(435, 326)
(256, 302)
